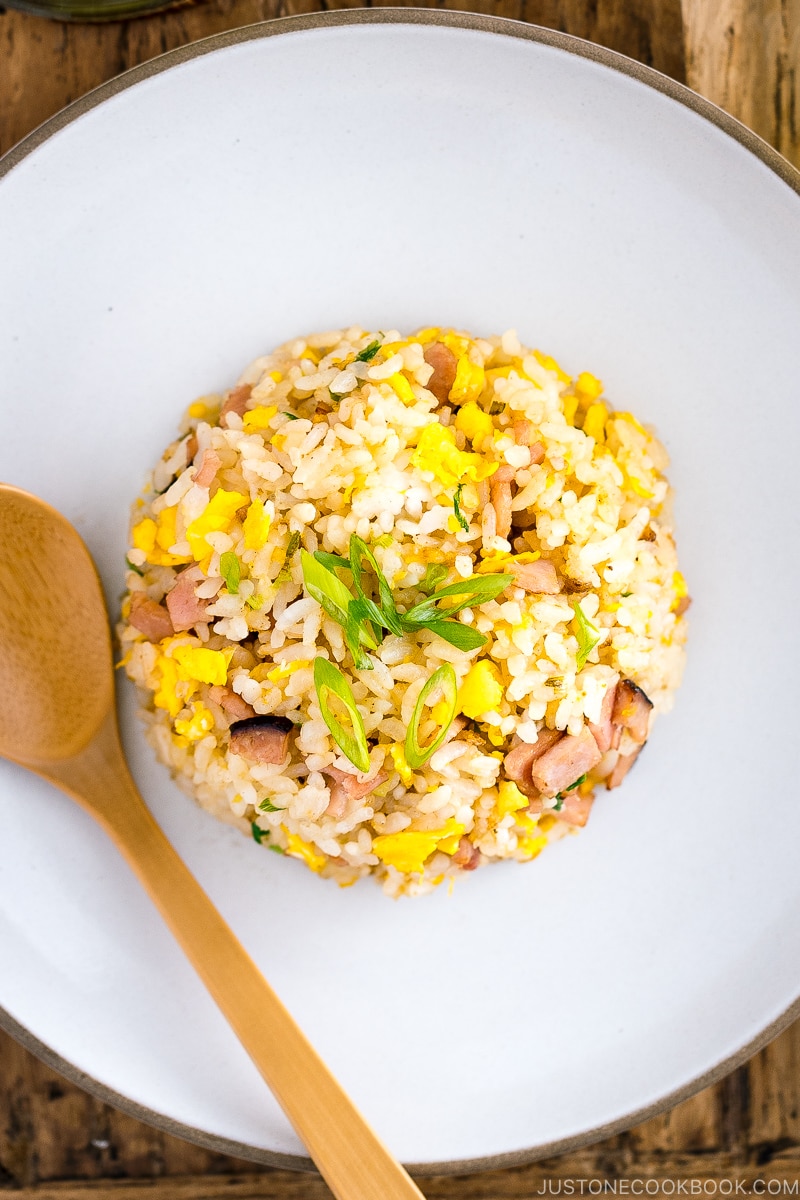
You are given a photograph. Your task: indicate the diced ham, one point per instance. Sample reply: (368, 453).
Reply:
(518, 763)
(570, 757)
(261, 739)
(444, 364)
(185, 608)
(525, 435)
(232, 703)
(150, 618)
(347, 788)
(467, 856)
(539, 576)
(605, 732)
(236, 402)
(191, 447)
(682, 605)
(624, 764)
(632, 709)
(210, 464)
(501, 500)
(575, 809)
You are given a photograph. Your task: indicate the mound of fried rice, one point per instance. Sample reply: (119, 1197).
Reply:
(451, 456)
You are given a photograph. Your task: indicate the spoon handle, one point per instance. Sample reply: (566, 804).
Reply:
(351, 1158)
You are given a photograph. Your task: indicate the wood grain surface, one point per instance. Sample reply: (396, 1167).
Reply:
(59, 1143)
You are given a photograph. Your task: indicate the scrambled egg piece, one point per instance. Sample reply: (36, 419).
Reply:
(297, 848)
(258, 418)
(481, 690)
(216, 517)
(474, 423)
(198, 725)
(155, 538)
(437, 452)
(256, 526)
(402, 387)
(408, 851)
(469, 381)
(202, 665)
(400, 765)
(509, 799)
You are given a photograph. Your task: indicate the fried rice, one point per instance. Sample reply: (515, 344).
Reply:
(402, 606)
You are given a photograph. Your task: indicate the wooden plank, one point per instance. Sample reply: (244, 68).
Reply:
(716, 1174)
(745, 56)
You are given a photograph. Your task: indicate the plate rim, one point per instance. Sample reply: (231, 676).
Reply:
(506, 27)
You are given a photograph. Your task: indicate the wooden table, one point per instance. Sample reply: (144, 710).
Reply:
(59, 1143)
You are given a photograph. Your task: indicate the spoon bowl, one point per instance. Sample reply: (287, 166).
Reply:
(57, 718)
(56, 682)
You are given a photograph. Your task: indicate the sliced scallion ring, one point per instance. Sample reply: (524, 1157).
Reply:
(329, 680)
(445, 678)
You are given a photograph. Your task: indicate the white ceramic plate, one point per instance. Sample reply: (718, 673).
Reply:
(398, 168)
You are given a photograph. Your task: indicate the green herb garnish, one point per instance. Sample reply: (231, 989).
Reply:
(478, 589)
(275, 849)
(231, 571)
(291, 416)
(385, 541)
(254, 602)
(259, 835)
(329, 681)
(445, 678)
(462, 520)
(588, 635)
(572, 786)
(434, 574)
(267, 806)
(329, 591)
(626, 594)
(387, 614)
(559, 804)
(369, 352)
(463, 637)
(285, 573)
(133, 567)
(332, 561)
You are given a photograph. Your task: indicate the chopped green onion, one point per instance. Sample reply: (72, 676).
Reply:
(626, 594)
(385, 541)
(478, 589)
(133, 567)
(332, 561)
(368, 352)
(462, 520)
(259, 834)
(587, 634)
(291, 416)
(434, 574)
(285, 573)
(387, 615)
(267, 806)
(463, 637)
(276, 849)
(329, 591)
(572, 786)
(231, 571)
(559, 804)
(326, 588)
(254, 602)
(336, 396)
(445, 678)
(329, 680)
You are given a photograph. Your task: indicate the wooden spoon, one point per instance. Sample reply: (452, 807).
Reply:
(57, 718)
